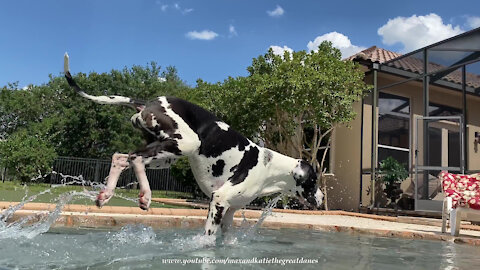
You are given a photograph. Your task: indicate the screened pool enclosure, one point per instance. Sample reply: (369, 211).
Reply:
(435, 126)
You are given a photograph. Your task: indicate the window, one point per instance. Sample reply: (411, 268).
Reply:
(394, 128)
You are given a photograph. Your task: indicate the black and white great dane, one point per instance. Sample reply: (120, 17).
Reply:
(229, 168)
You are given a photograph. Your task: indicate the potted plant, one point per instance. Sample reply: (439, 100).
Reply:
(392, 173)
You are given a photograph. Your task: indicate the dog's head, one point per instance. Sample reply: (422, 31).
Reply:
(307, 189)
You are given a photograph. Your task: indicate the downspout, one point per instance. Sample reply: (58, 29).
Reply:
(426, 103)
(375, 68)
(464, 159)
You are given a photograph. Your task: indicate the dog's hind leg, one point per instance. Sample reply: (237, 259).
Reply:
(145, 196)
(119, 164)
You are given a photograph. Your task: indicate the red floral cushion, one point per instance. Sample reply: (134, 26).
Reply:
(463, 189)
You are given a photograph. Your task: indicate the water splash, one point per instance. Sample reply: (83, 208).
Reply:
(38, 223)
(266, 212)
(246, 232)
(137, 234)
(234, 237)
(33, 225)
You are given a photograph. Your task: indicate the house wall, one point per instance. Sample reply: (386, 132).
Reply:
(348, 159)
(473, 125)
(344, 190)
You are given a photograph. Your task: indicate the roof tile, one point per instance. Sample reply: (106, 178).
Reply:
(412, 64)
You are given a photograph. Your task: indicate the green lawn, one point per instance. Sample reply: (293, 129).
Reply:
(15, 192)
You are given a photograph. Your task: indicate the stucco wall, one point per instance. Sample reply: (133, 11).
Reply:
(344, 190)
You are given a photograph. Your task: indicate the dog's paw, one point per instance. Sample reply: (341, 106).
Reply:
(144, 200)
(102, 198)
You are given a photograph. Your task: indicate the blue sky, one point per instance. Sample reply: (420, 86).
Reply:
(208, 39)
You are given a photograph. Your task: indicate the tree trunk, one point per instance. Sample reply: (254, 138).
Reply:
(324, 179)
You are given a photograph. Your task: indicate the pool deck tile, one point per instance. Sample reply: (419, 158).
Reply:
(332, 221)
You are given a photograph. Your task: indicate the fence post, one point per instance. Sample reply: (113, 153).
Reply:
(97, 170)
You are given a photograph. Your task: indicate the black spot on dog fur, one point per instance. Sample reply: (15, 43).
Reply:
(214, 140)
(164, 122)
(249, 160)
(267, 156)
(170, 146)
(219, 214)
(217, 168)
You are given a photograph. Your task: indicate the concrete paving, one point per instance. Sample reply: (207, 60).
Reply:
(333, 221)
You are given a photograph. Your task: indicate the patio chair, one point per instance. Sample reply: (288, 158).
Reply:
(462, 200)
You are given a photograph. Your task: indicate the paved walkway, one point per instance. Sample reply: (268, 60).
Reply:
(337, 221)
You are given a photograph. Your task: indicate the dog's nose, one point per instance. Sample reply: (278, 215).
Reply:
(312, 201)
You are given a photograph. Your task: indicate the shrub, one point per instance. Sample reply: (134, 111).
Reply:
(392, 174)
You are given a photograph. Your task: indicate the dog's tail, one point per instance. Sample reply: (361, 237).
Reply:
(116, 100)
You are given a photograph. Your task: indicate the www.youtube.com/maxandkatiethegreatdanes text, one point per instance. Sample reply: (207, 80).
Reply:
(253, 260)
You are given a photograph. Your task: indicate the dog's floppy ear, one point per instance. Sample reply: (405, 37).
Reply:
(302, 172)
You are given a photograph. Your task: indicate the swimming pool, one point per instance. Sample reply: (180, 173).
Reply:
(140, 247)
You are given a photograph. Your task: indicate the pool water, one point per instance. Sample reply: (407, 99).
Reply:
(140, 247)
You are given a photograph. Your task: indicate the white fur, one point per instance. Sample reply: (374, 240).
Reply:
(189, 141)
(222, 125)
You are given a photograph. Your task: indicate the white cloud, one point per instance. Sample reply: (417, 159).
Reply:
(415, 32)
(339, 41)
(203, 35)
(175, 6)
(281, 50)
(473, 22)
(231, 30)
(277, 12)
(187, 10)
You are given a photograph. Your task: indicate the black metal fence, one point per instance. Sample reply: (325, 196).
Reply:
(96, 170)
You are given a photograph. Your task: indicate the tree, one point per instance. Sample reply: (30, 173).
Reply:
(26, 155)
(62, 121)
(291, 102)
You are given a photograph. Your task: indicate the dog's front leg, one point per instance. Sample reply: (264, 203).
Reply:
(145, 196)
(216, 212)
(119, 164)
(228, 219)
